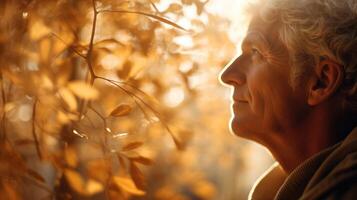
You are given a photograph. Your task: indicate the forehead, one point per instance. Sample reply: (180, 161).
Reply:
(262, 31)
(265, 37)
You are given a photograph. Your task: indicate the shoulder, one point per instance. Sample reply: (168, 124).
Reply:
(339, 183)
(345, 191)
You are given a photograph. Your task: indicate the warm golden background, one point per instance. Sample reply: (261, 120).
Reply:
(114, 99)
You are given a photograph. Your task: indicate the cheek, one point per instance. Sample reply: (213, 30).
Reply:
(269, 91)
(258, 84)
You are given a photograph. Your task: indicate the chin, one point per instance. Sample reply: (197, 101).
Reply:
(239, 128)
(248, 129)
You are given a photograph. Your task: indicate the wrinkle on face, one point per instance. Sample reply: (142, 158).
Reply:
(270, 46)
(260, 75)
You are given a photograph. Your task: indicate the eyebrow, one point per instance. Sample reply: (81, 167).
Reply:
(269, 50)
(256, 37)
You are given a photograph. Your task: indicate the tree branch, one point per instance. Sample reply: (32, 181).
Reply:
(89, 55)
(34, 135)
(73, 49)
(153, 5)
(3, 117)
(90, 50)
(156, 113)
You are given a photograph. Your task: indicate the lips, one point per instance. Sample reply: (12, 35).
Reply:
(238, 104)
(239, 100)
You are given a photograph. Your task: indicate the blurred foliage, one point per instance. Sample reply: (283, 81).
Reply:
(95, 94)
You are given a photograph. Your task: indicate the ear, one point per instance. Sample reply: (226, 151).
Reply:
(326, 79)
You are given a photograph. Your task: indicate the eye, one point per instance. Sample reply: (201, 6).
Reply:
(255, 51)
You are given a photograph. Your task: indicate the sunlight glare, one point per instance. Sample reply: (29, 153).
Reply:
(110, 61)
(174, 97)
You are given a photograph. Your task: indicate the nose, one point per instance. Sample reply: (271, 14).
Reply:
(232, 73)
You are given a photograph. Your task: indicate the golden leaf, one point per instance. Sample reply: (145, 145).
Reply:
(121, 110)
(127, 185)
(93, 187)
(83, 90)
(63, 118)
(46, 82)
(137, 176)
(75, 180)
(69, 98)
(77, 183)
(39, 30)
(9, 106)
(174, 7)
(44, 52)
(71, 156)
(98, 170)
(204, 189)
(142, 160)
(124, 72)
(132, 145)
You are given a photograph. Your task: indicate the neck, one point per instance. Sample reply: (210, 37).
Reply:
(321, 129)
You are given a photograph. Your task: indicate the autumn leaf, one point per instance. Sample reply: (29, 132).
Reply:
(137, 176)
(39, 30)
(75, 180)
(132, 146)
(124, 72)
(69, 98)
(121, 110)
(174, 7)
(66, 118)
(77, 183)
(70, 156)
(9, 106)
(93, 187)
(83, 90)
(98, 170)
(127, 185)
(142, 160)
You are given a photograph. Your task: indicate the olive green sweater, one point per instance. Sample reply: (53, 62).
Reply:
(331, 174)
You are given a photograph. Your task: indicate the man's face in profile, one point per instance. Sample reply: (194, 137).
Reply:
(264, 104)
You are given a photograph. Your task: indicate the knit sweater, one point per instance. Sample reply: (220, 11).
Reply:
(330, 174)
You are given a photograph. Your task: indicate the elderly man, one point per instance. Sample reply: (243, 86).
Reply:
(295, 92)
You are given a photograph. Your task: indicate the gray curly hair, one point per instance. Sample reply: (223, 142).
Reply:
(315, 29)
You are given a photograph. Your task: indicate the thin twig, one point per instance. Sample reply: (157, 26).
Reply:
(70, 47)
(89, 56)
(156, 113)
(3, 117)
(133, 95)
(90, 47)
(99, 115)
(153, 5)
(131, 86)
(34, 135)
